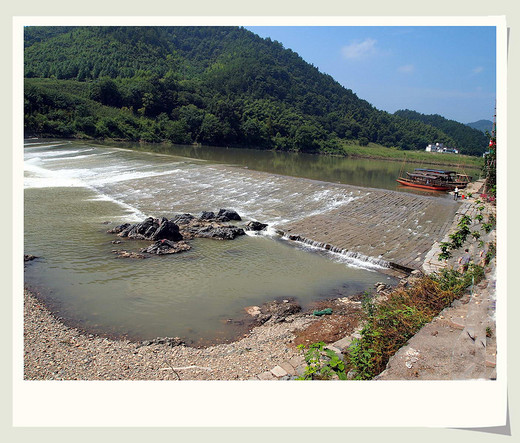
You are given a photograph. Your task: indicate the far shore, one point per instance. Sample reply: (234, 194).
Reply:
(372, 151)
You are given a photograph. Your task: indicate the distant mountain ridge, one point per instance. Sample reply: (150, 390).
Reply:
(212, 85)
(482, 125)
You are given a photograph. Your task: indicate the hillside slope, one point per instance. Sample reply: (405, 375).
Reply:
(482, 125)
(212, 85)
(468, 140)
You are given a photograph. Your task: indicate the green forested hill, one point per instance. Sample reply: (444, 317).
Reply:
(482, 125)
(469, 140)
(211, 85)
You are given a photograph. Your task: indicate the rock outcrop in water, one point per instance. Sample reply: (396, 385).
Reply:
(255, 226)
(161, 247)
(209, 225)
(152, 229)
(169, 236)
(225, 215)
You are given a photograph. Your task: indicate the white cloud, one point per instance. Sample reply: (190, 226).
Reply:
(478, 70)
(359, 49)
(407, 69)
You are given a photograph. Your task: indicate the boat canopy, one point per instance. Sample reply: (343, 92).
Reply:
(421, 175)
(436, 171)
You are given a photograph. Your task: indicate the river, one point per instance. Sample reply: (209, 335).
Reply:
(74, 191)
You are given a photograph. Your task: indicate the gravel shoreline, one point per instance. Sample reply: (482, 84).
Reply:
(53, 351)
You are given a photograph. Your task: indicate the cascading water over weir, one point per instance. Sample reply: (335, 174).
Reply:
(76, 191)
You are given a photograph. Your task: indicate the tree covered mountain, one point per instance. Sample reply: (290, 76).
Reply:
(482, 125)
(468, 140)
(212, 85)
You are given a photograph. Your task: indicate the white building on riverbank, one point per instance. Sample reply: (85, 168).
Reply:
(439, 147)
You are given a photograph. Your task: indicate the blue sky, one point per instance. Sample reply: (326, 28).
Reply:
(450, 71)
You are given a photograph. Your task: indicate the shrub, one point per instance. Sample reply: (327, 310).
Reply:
(322, 363)
(390, 324)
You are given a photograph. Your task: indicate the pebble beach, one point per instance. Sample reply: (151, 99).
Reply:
(54, 351)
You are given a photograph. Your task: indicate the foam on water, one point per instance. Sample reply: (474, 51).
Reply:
(74, 158)
(148, 183)
(122, 176)
(350, 258)
(133, 215)
(44, 178)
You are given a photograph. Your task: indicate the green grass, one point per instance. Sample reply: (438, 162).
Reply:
(378, 151)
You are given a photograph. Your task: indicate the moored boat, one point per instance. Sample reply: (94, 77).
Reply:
(423, 182)
(434, 179)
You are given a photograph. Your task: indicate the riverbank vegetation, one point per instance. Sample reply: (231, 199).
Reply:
(390, 321)
(222, 86)
(389, 153)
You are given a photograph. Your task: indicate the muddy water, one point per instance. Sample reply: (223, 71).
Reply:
(75, 191)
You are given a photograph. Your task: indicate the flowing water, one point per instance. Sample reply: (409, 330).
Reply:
(353, 171)
(75, 191)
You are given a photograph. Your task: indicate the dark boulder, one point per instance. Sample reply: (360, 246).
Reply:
(167, 230)
(182, 219)
(219, 232)
(139, 230)
(207, 215)
(255, 226)
(119, 228)
(162, 247)
(152, 229)
(228, 215)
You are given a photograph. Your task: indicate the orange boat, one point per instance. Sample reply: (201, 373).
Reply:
(423, 185)
(433, 179)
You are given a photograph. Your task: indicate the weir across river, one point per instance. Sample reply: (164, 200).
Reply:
(397, 227)
(372, 224)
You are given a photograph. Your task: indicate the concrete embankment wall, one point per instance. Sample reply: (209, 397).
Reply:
(398, 227)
